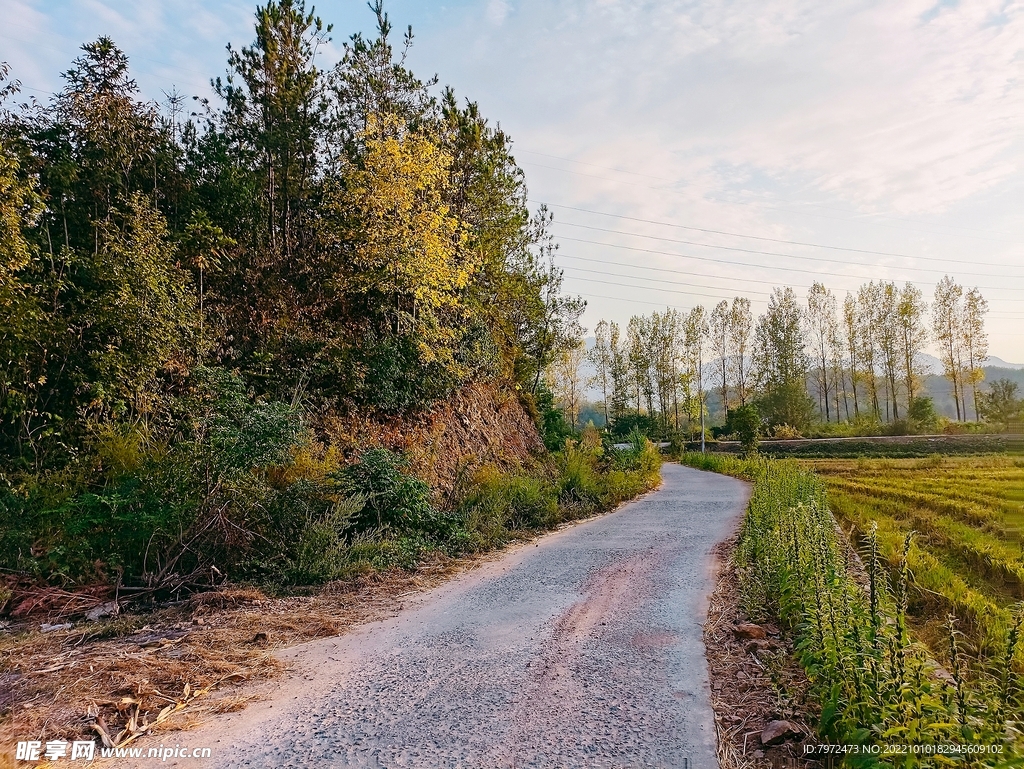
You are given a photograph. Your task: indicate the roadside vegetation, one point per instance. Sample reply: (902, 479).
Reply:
(854, 625)
(966, 554)
(201, 302)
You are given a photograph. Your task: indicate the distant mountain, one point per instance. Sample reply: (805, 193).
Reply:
(932, 365)
(994, 362)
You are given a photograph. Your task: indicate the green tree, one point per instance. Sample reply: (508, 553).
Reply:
(975, 341)
(947, 326)
(140, 315)
(1001, 404)
(780, 361)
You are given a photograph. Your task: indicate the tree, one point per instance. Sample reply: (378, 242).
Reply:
(888, 339)
(600, 355)
(720, 333)
(22, 317)
(619, 372)
(741, 326)
(851, 339)
(821, 323)
(695, 339)
(565, 381)
(947, 326)
(913, 335)
(275, 113)
(975, 341)
(638, 355)
(1001, 404)
(866, 339)
(141, 315)
(780, 361)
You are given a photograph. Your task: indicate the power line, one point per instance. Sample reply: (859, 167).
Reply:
(769, 240)
(701, 275)
(759, 266)
(752, 251)
(1007, 316)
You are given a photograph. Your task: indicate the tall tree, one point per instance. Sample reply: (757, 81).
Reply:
(741, 326)
(275, 113)
(780, 361)
(947, 326)
(600, 355)
(821, 322)
(868, 300)
(975, 341)
(621, 379)
(913, 337)
(695, 340)
(720, 333)
(851, 339)
(566, 382)
(888, 337)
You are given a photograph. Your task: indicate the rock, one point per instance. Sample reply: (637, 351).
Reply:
(758, 754)
(47, 628)
(777, 732)
(108, 609)
(749, 631)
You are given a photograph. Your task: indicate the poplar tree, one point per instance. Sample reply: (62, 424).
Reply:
(947, 326)
(975, 341)
(887, 334)
(821, 322)
(780, 360)
(741, 326)
(720, 333)
(601, 356)
(913, 336)
(851, 338)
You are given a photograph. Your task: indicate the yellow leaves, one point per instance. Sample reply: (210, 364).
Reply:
(407, 244)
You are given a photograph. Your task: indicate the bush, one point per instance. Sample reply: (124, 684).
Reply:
(395, 500)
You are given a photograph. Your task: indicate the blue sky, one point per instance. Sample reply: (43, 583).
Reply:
(892, 128)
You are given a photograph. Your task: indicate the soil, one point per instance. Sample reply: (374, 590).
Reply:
(752, 682)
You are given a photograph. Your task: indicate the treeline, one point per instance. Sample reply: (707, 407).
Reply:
(196, 295)
(337, 235)
(857, 362)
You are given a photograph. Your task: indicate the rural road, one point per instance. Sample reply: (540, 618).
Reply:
(583, 649)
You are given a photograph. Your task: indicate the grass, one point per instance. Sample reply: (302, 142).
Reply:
(966, 557)
(852, 624)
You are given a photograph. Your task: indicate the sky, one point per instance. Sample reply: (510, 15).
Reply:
(691, 151)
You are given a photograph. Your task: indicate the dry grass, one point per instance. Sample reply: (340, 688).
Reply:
(751, 688)
(176, 665)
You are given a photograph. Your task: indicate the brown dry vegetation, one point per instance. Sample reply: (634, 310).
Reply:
(752, 682)
(200, 657)
(480, 425)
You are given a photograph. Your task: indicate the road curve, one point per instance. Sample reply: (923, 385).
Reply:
(583, 649)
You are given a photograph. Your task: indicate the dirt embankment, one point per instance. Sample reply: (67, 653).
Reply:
(479, 425)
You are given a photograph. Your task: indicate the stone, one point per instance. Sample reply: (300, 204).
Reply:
(108, 609)
(777, 732)
(750, 631)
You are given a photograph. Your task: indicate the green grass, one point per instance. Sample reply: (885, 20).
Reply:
(854, 630)
(967, 555)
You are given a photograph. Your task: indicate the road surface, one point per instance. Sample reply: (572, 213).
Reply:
(583, 649)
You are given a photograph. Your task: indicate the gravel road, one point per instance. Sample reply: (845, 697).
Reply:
(581, 650)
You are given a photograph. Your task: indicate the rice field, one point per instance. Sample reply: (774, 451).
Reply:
(967, 554)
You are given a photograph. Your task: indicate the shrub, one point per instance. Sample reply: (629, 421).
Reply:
(395, 500)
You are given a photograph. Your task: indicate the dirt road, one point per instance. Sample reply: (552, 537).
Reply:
(580, 650)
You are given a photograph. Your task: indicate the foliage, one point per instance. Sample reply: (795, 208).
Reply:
(745, 423)
(1001, 403)
(875, 684)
